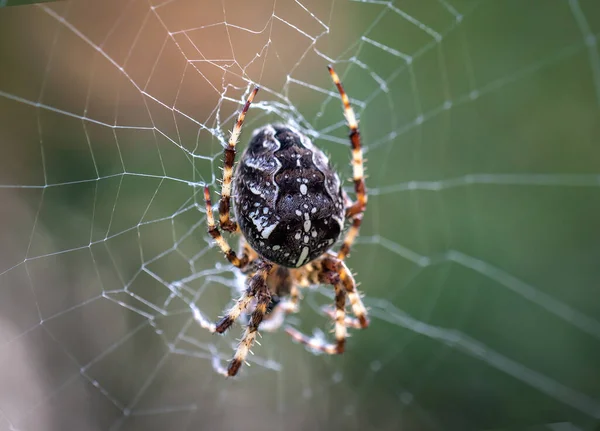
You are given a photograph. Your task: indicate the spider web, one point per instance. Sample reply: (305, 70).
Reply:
(478, 255)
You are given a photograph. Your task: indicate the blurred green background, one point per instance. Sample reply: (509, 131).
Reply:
(478, 255)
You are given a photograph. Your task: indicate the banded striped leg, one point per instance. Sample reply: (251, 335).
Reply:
(350, 236)
(213, 230)
(285, 307)
(228, 160)
(358, 308)
(356, 209)
(336, 278)
(255, 284)
(257, 289)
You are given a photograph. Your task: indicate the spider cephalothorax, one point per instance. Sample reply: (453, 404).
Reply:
(290, 208)
(289, 202)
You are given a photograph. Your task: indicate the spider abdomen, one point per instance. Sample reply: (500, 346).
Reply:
(288, 200)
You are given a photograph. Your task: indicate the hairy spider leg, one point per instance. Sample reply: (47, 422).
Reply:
(228, 160)
(285, 307)
(213, 230)
(358, 308)
(335, 272)
(340, 326)
(303, 277)
(355, 210)
(257, 288)
(254, 285)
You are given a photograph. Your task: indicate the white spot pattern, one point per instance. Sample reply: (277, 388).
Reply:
(302, 257)
(306, 225)
(268, 229)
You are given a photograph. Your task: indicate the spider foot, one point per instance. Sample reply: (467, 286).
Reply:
(315, 343)
(224, 324)
(233, 367)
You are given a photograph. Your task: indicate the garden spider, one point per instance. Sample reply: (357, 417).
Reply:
(290, 208)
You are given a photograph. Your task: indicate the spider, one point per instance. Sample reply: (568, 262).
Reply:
(290, 208)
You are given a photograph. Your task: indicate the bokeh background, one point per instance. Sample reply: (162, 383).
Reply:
(479, 254)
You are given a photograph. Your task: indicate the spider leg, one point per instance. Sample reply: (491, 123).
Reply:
(261, 292)
(255, 284)
(213, 230)
(303, 277)
(285, 307)
(358, 308)
(340, 326)
(226, 223)
(335, 272)
(350, 236)
(355, 210)
(285, 296)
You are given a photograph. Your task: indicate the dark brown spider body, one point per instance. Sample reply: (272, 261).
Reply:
(289, 202)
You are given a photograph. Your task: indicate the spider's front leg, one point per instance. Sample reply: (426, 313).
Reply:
(334, 271)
